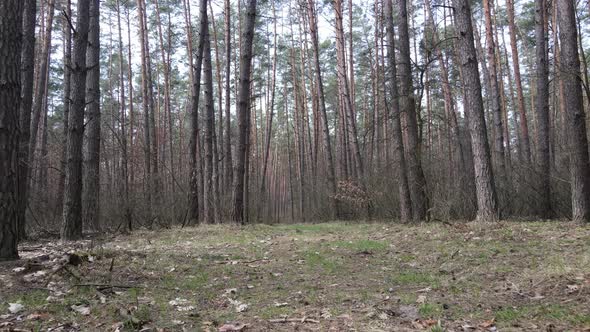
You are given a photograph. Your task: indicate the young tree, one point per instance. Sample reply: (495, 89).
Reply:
(578, 141)
(72, 212)
(487, 202)
(242, 148)
(11, 27)
(91, 188)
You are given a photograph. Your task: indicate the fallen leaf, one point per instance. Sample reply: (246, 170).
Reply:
(38, 316)
(15, 308)
(487, 324)
(283, 304)
(421, 299)
(81, 309)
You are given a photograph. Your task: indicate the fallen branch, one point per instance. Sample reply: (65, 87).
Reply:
(294, 320)
(240, 262)
(107, 286)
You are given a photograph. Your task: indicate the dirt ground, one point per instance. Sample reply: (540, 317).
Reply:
(508, 276)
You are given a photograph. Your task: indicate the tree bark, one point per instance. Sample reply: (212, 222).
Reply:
(72, 213)
(416, 179)
(331, 176)
(193, 212)
(578, 141)
(243, 114)
(543, 203)
(11, 40)
(495, 103)
(27, 80)
(210, 200)
(91, 186)
(524, 128)
(487, 202)
(398, 145)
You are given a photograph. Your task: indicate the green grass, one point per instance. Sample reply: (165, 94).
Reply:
(430, 310)
(316, 259)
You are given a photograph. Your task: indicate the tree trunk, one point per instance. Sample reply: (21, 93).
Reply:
(228, 172)
(543, 203)
(193, 212)
(27, 80)
(11, 40)
(243, 114)
(146, 108)
(91, 186)
(210, 197)
(67, 63)
(72, 214)
(416, 179)
(487, 202)
(39, 99)
(269, 119)
(524, 128)
(495, 103)
(398, 145)
(331, 176)
(578, 141)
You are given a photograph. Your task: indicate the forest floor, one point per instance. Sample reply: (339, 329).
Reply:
(509, 276)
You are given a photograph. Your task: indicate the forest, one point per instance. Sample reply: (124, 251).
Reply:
(393, 148)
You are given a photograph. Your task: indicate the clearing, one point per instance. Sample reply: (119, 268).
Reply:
(508, 276)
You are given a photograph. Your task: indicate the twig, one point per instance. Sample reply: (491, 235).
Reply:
(294, 320)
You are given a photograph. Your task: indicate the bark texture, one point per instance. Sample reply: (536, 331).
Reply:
(487, 202)
(11, 13)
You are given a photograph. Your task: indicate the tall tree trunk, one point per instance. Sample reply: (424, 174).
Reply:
(495, 104)
(210, 200)
(398, 145)
(39, 99)
(331, 176)
(27, 80)
(193, 212)
(92, 164)
(524, 128)
(228, 172)
(243, 114)
(578, 141)
(11, 40)
(344, 90)
(123, 122)
(416, 179)
(67, 63)
(146, 108)
(543, 203)
(269, 119)
(487, 202)
(72, 214)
